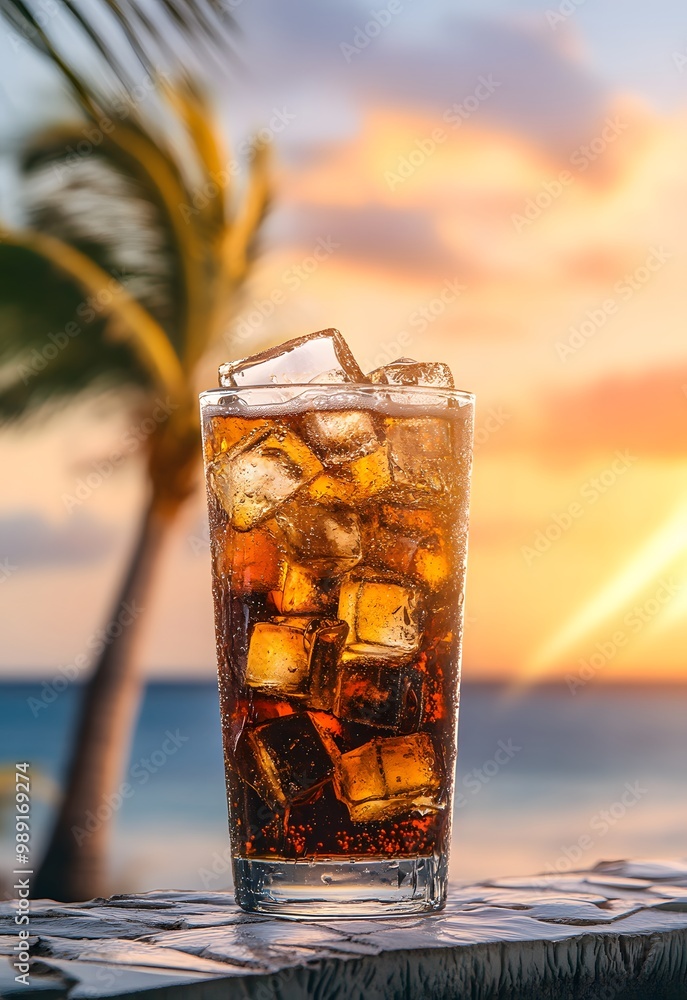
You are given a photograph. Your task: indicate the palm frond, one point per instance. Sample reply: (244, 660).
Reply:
(124, 196)
(241, 237)
(107, 297)
(108, 55)
(117, 205)
(165, 25)
(192, 109)
(54, 345)
(109, 215)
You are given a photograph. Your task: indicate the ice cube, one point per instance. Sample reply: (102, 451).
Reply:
(379, 690)
(236, 612)
(371, 474)
(416, 522)
(221, 434)
(254, 478)
(432, 562)
(318, 357)
(381, 611)
(290, 759)
(414, 546)
(296, 656)
(249, 561)
(303, 592)
(332, 489)
(405, 371)
(264, 708)
(327, 542)
(386, 777)
(420, 453)
(354, 482)
(331, 732)
(388, 549)
(338, 436)
(278, 660)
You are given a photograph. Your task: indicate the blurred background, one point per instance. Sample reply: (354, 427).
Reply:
(499, 185)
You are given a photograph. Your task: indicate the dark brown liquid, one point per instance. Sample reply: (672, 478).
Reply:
(338, 546)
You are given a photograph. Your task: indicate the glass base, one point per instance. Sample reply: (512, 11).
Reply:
(367, 887)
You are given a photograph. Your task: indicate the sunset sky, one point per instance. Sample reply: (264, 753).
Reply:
(503, 187)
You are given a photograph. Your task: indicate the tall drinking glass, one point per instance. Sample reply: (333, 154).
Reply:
(338, 525)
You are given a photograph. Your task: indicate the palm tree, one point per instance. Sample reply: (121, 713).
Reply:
(134, 247)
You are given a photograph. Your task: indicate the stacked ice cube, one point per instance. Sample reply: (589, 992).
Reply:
(340, 522)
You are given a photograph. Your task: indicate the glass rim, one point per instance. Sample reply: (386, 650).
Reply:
(340, 387)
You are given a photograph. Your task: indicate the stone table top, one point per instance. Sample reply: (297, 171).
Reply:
(615, 932)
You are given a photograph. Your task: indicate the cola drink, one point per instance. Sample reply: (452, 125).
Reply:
(338, 507)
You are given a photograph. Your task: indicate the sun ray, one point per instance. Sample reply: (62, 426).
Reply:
(676, 610)
(655, 555)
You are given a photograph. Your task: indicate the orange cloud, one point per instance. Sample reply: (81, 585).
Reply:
(646, 413)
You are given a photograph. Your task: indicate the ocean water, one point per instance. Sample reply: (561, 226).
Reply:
(545, 781)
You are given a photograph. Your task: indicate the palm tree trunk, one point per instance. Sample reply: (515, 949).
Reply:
(75, 863)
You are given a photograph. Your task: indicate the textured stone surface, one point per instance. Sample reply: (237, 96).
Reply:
(617, 932)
